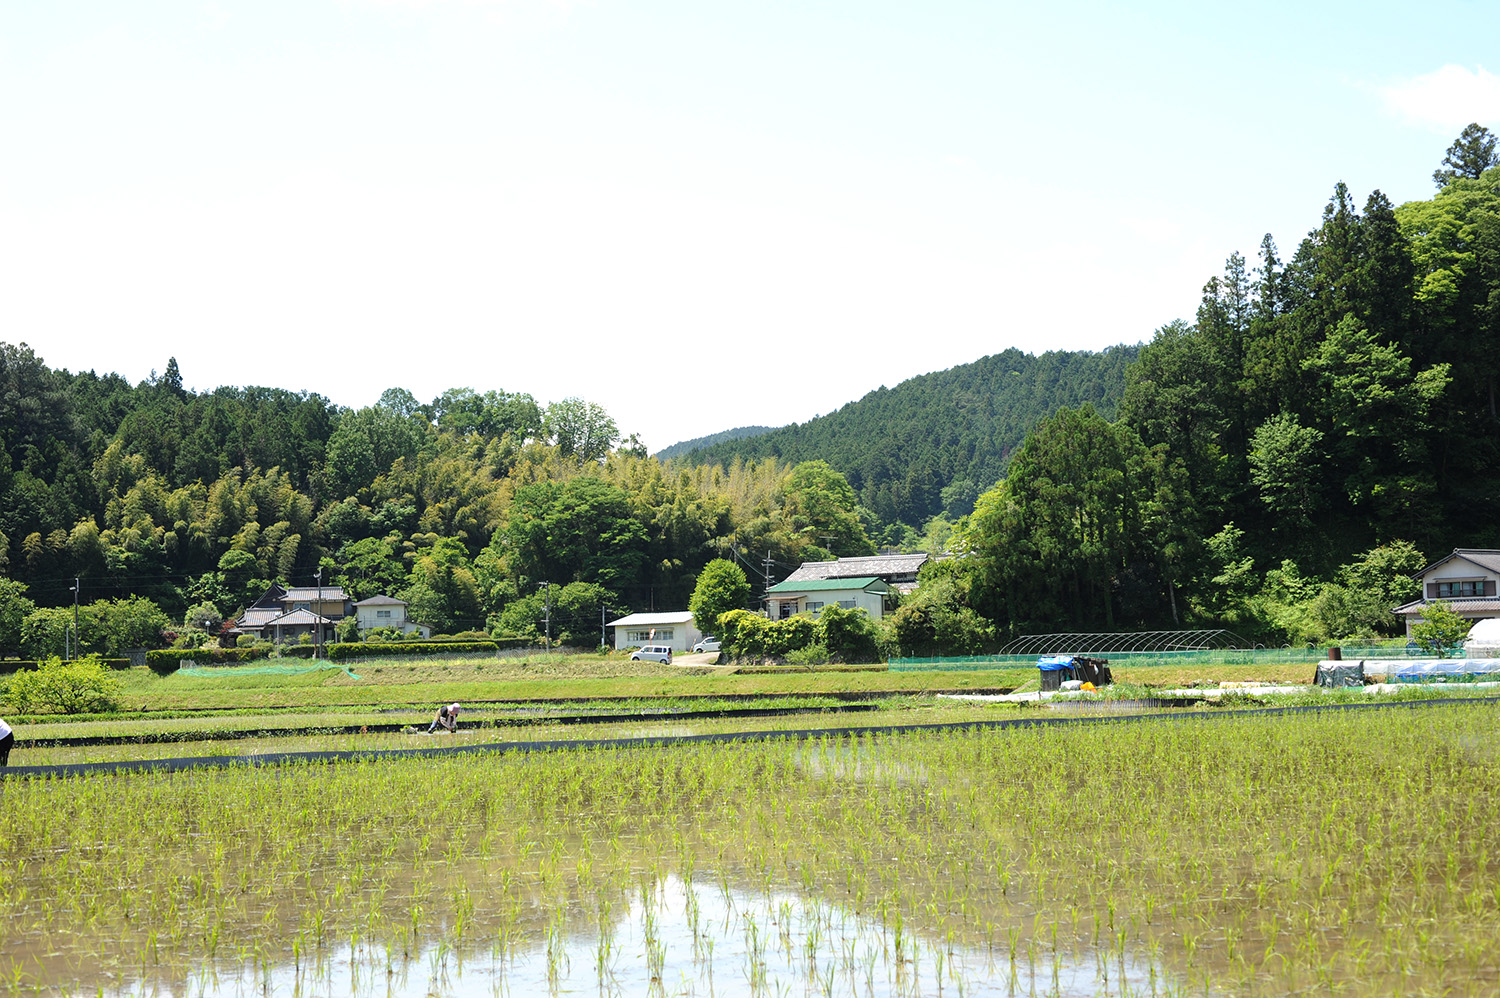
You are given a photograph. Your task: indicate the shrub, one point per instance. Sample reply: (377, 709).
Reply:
(1440, 630)
(743, 632)
(339, 652)
(169, 660)
(813, 654)
(789, 635)
(83, 686)
(848, 634)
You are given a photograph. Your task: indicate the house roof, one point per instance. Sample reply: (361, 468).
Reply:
(297, 618)
(829, 585)
(1485, 605)
(270, 598)
(651, 619)
(257, 616)
(381, 601)
(855, 568)
(329, 593)
(1485, 558)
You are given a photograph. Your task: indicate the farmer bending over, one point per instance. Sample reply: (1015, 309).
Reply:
(447, 719)
(7, 740)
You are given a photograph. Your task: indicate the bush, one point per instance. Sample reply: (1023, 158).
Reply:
(848, 634)
(402, 649)
(813, 654)
(789, 635)
(743, 632)
(83, 686)
(167, 661)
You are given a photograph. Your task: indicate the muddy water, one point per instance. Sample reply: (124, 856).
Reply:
(680, 938)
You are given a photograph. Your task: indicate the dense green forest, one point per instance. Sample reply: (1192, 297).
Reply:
(466, 506)
(686, 446)
(1279, 465)
(933, 443)
(1284, 462)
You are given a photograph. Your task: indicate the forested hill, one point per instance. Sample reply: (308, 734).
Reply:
(933, 443)
(698, 443)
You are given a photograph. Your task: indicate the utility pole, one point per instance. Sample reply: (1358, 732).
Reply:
(767, 596)
(75, 619)
(318, 623)
(603, 638)
(547, 609)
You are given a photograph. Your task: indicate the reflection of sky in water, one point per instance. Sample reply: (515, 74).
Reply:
(699, 942)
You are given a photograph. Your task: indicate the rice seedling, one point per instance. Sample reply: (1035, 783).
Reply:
(1353, 852)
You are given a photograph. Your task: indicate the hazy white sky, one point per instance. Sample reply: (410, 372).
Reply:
(697, 214)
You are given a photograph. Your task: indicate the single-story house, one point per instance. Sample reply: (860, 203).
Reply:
(674, 628)
(1466, 580)
(787, 598)
(899, 571)
(387, 611)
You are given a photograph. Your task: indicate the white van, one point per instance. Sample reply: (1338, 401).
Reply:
(653, 653)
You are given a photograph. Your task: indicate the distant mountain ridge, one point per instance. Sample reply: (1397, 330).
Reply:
(697, 443)
(933, 442)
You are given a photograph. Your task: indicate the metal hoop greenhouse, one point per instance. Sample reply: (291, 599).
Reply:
(1118, 642)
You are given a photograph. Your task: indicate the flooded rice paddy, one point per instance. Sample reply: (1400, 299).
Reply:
(1351, 853)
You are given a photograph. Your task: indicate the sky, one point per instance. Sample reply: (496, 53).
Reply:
(697, 214)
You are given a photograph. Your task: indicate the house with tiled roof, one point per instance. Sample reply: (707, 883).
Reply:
(899, 571)
(285, 615)
(1467, 580)
(868, 593)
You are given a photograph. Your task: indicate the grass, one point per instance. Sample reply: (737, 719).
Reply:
(1353, 852)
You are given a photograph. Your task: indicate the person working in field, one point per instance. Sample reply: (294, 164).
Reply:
(7, 740)
(447, 719)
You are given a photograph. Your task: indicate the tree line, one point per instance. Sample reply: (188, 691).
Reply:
(1278, 465)
(485, 511)
(1281, 464)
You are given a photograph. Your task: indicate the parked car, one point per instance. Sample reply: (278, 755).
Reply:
(710, 643)
(652, 653)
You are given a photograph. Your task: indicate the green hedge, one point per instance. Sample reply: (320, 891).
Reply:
(403, 649)
(9, 666)
(168, 660)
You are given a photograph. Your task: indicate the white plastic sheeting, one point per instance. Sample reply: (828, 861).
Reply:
(1484, 637)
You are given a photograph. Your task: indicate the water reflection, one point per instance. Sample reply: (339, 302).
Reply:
(698, 939)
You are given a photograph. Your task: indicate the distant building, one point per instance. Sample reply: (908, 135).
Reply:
(674, 628)
(387, 611)
(786, 599)
(1466, 580)
(899, 571)
(284, 615)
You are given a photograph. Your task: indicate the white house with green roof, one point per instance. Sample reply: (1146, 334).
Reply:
(786, 599)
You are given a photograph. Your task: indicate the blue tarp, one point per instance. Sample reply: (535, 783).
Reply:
(1055, 663)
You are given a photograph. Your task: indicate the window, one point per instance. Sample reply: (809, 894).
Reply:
(382, 613)
(847, 604)
(814, 608)
(646, 637)
(1447, 590)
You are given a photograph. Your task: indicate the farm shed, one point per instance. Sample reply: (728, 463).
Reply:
(674, 628)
